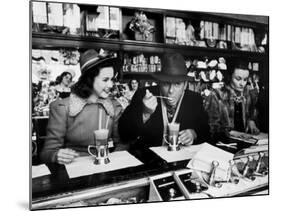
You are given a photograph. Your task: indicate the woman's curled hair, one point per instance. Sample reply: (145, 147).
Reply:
(60, 77)
(84, 86)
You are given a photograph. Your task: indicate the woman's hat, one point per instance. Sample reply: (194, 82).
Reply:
(173, 69)
(91, 58)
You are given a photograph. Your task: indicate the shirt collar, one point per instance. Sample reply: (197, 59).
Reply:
(76, 105)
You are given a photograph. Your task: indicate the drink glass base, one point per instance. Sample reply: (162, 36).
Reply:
(101, 161)
(173, 148)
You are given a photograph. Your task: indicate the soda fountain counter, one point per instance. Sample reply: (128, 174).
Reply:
(154, 180)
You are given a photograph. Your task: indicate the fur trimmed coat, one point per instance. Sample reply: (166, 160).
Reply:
(72, 122)
(220, 104)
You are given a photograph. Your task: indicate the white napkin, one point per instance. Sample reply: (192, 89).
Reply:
(82, 166)
(40, 170)
(184, 153)
(262, 138)
(203, 159)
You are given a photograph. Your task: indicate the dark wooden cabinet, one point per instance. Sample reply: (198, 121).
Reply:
(126, 42)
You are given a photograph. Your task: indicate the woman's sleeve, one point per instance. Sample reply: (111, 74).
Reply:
(212, 106)
(201, 125)
(252, 110)
(56, 131)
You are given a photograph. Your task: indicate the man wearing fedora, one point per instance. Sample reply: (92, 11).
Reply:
(145, 120)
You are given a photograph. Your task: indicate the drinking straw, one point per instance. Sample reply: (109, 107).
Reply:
(115, 77)
(107, 121)
(178, 108)
(99, 118)
(169, 98)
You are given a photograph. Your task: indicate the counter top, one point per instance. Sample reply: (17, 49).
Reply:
(59, 182)
(57, 186)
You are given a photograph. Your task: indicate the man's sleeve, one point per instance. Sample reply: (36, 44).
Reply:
(130, 123)
(202, 128)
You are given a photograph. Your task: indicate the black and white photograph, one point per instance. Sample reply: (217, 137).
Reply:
(140, 104)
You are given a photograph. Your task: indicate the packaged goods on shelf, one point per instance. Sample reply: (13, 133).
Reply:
(39, 12)
(55, 14)
(190, 37)
(180, 32)
(105, 22)
(71, 17)
(171, 27)
(222, 32)
(177, 32)
(103, 17)
(140, 63)
(91, 24)
(228, 32)
(114, 18)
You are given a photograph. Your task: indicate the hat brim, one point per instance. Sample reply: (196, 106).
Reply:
(85, 69)
(170, 78)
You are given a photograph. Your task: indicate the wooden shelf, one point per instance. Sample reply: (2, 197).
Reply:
(242, 20)
(56, 41)
(137, 75)
(52, 41)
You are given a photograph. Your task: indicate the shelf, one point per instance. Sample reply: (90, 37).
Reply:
(137, 75)
(242, 20)
(52, 41)
(252, 21)
(55, 41)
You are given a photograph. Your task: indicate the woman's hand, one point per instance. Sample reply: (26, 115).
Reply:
(65, 156)
(187, 137)
(252, 128)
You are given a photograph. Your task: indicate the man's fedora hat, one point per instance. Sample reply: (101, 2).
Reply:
(92, 58)
(173, 69)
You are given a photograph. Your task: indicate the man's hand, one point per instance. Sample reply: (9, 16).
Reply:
(149, 103)
(65, 156)
(252, 128)
(187, 137)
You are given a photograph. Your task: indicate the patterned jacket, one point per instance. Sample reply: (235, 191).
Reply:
(72, 122)
(220, 107)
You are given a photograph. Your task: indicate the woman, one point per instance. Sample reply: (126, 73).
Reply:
(233, 106)
(73, 120)
(63, 82)
(133, 86)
